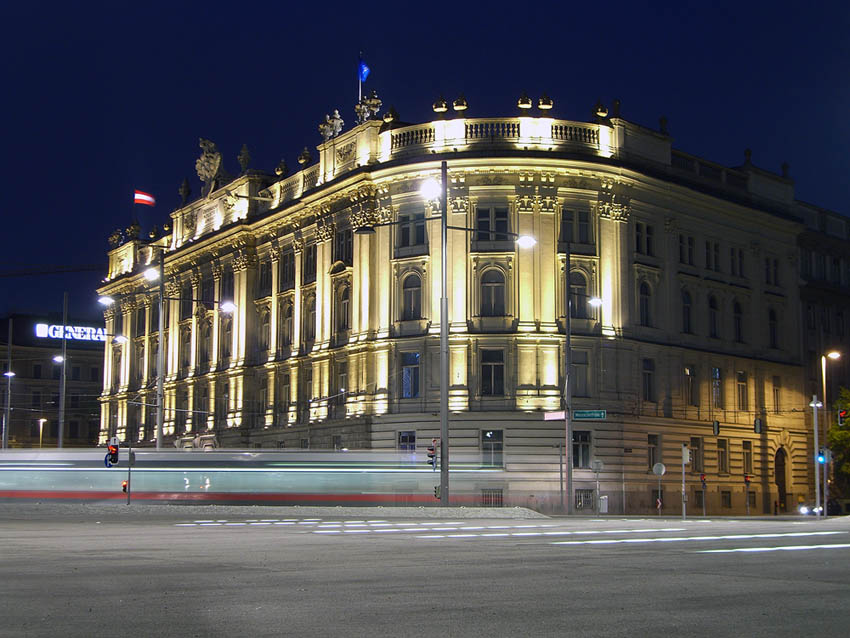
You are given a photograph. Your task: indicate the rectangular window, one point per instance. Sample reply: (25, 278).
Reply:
(409, 375)
(742, 390)
(264, 279)
(726, 499)
(491, 224)
(305, 444)
(583, 227)
(75, 373)
(581, 449)
(407, 440)
(579, 368)
(716, 388)
(652, 448)
(492, 447)
(95, 374)
(644, 239)
(36, 371)
(691, 388)
(309, 263)
(287, 271)
(411, 230)
(748, 457)
(696, 454)
(186, 296)
(698, 498)
(344, 246)
(686, 250)
(648, 380)
(777, 393)
(722, 456)
(567, 219)
(492, 372)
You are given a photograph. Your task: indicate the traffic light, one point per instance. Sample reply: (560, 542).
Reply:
(436, 491)
(747, 480)
(432, 454)
(124, 486)
(842, 415)
(757, 426)
(716, 427)
(111, 455)
(821, 456)
(702, 480)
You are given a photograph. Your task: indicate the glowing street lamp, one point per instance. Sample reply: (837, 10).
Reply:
(833, 355)
(7, 413)
(40, 430)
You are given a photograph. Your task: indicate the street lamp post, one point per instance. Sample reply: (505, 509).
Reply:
(815, 404)
(9, 374)
(64, 370)
(832, 355)
(568, 426)
(444, 338)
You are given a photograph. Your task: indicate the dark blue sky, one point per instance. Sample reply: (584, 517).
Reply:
(106, 98)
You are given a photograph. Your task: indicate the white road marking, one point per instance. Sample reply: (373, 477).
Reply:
(778, 548)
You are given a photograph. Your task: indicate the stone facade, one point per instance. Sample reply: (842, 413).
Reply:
(335, 339)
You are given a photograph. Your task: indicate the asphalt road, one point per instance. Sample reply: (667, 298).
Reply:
(75, 570)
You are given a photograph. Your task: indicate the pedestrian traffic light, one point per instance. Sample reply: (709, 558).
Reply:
(747, 480)
(124, 486)
(436, 491)
(432, 454)
(702, 480)
(821, 456)
(111, 455)
(842, 415)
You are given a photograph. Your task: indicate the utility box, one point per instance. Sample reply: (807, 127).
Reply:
(603, 504)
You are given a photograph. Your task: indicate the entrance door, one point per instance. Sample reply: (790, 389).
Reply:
(779, 478)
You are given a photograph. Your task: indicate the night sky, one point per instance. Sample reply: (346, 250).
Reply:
(100, 99)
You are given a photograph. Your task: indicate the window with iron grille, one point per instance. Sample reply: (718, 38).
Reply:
(584, 500)
(407, 440)
(492, 497)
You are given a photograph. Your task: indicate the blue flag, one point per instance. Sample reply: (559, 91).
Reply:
(364, 71)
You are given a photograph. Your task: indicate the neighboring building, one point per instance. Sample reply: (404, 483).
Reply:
(335, 342)
(34, 389)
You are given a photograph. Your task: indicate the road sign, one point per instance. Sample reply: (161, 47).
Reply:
(589, 414)
(659, 469)
(596, 465)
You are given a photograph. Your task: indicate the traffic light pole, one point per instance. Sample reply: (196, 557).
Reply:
(684, 494)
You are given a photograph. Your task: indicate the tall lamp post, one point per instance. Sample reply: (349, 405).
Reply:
(815, 404)
(831, 355)
(7, 414)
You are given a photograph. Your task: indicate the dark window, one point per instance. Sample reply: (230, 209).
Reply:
(186, 302)
(691, 387)
(723, 456)
(226, 337)
(696, 454)
(75, 373)
(343, 246)
(773, 329)
(492, 293)
(748, 457)
(310, 319)
(95, 373)
(738, 322)
(409, 375)
(742, 390)
(581, 449)
(36, 371)
(717, 388)
(578, 296)
(645, 304)
(287, 271)
(265, 331)
(492, 224)
(411, 298)
(652, 447)
(286, 324)
(712, 317)
(579, 377)
(208, 288)
(309, 265)
(648, 380)
(411, 230)
(140, 322)
(686, 312)
(264, 279)
(492, 372)
(492, 447)
(407, 440)
(343, 318)
(644, 239)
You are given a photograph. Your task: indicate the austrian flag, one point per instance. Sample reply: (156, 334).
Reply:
(143, 198)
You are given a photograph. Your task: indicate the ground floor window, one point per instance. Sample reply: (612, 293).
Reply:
(491, 447)
(581, 449)
(584, 500)
(726, 499)
(407, 440)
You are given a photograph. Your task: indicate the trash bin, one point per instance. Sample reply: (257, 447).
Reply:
(603, 504)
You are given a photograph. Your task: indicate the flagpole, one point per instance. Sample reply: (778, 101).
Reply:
(359, 79)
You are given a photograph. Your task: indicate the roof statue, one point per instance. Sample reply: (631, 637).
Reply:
(208, 166)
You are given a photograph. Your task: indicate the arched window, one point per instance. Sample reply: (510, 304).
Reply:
(411, 293)
(773, 328)
(185, 347)
(206, 343)
(286, 325)
(343, 316)
(265, 331)
(226, 337)
(713, 330)
(310, 319)
(686, 312)
(578, 296)
(738, 322)
(644, 306)
(493, 294)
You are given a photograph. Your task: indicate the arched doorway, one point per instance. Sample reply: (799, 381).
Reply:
(779, 478)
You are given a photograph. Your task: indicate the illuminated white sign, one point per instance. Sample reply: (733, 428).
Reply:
(77, 333)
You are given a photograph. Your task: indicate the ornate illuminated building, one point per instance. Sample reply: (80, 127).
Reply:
(334, 341)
